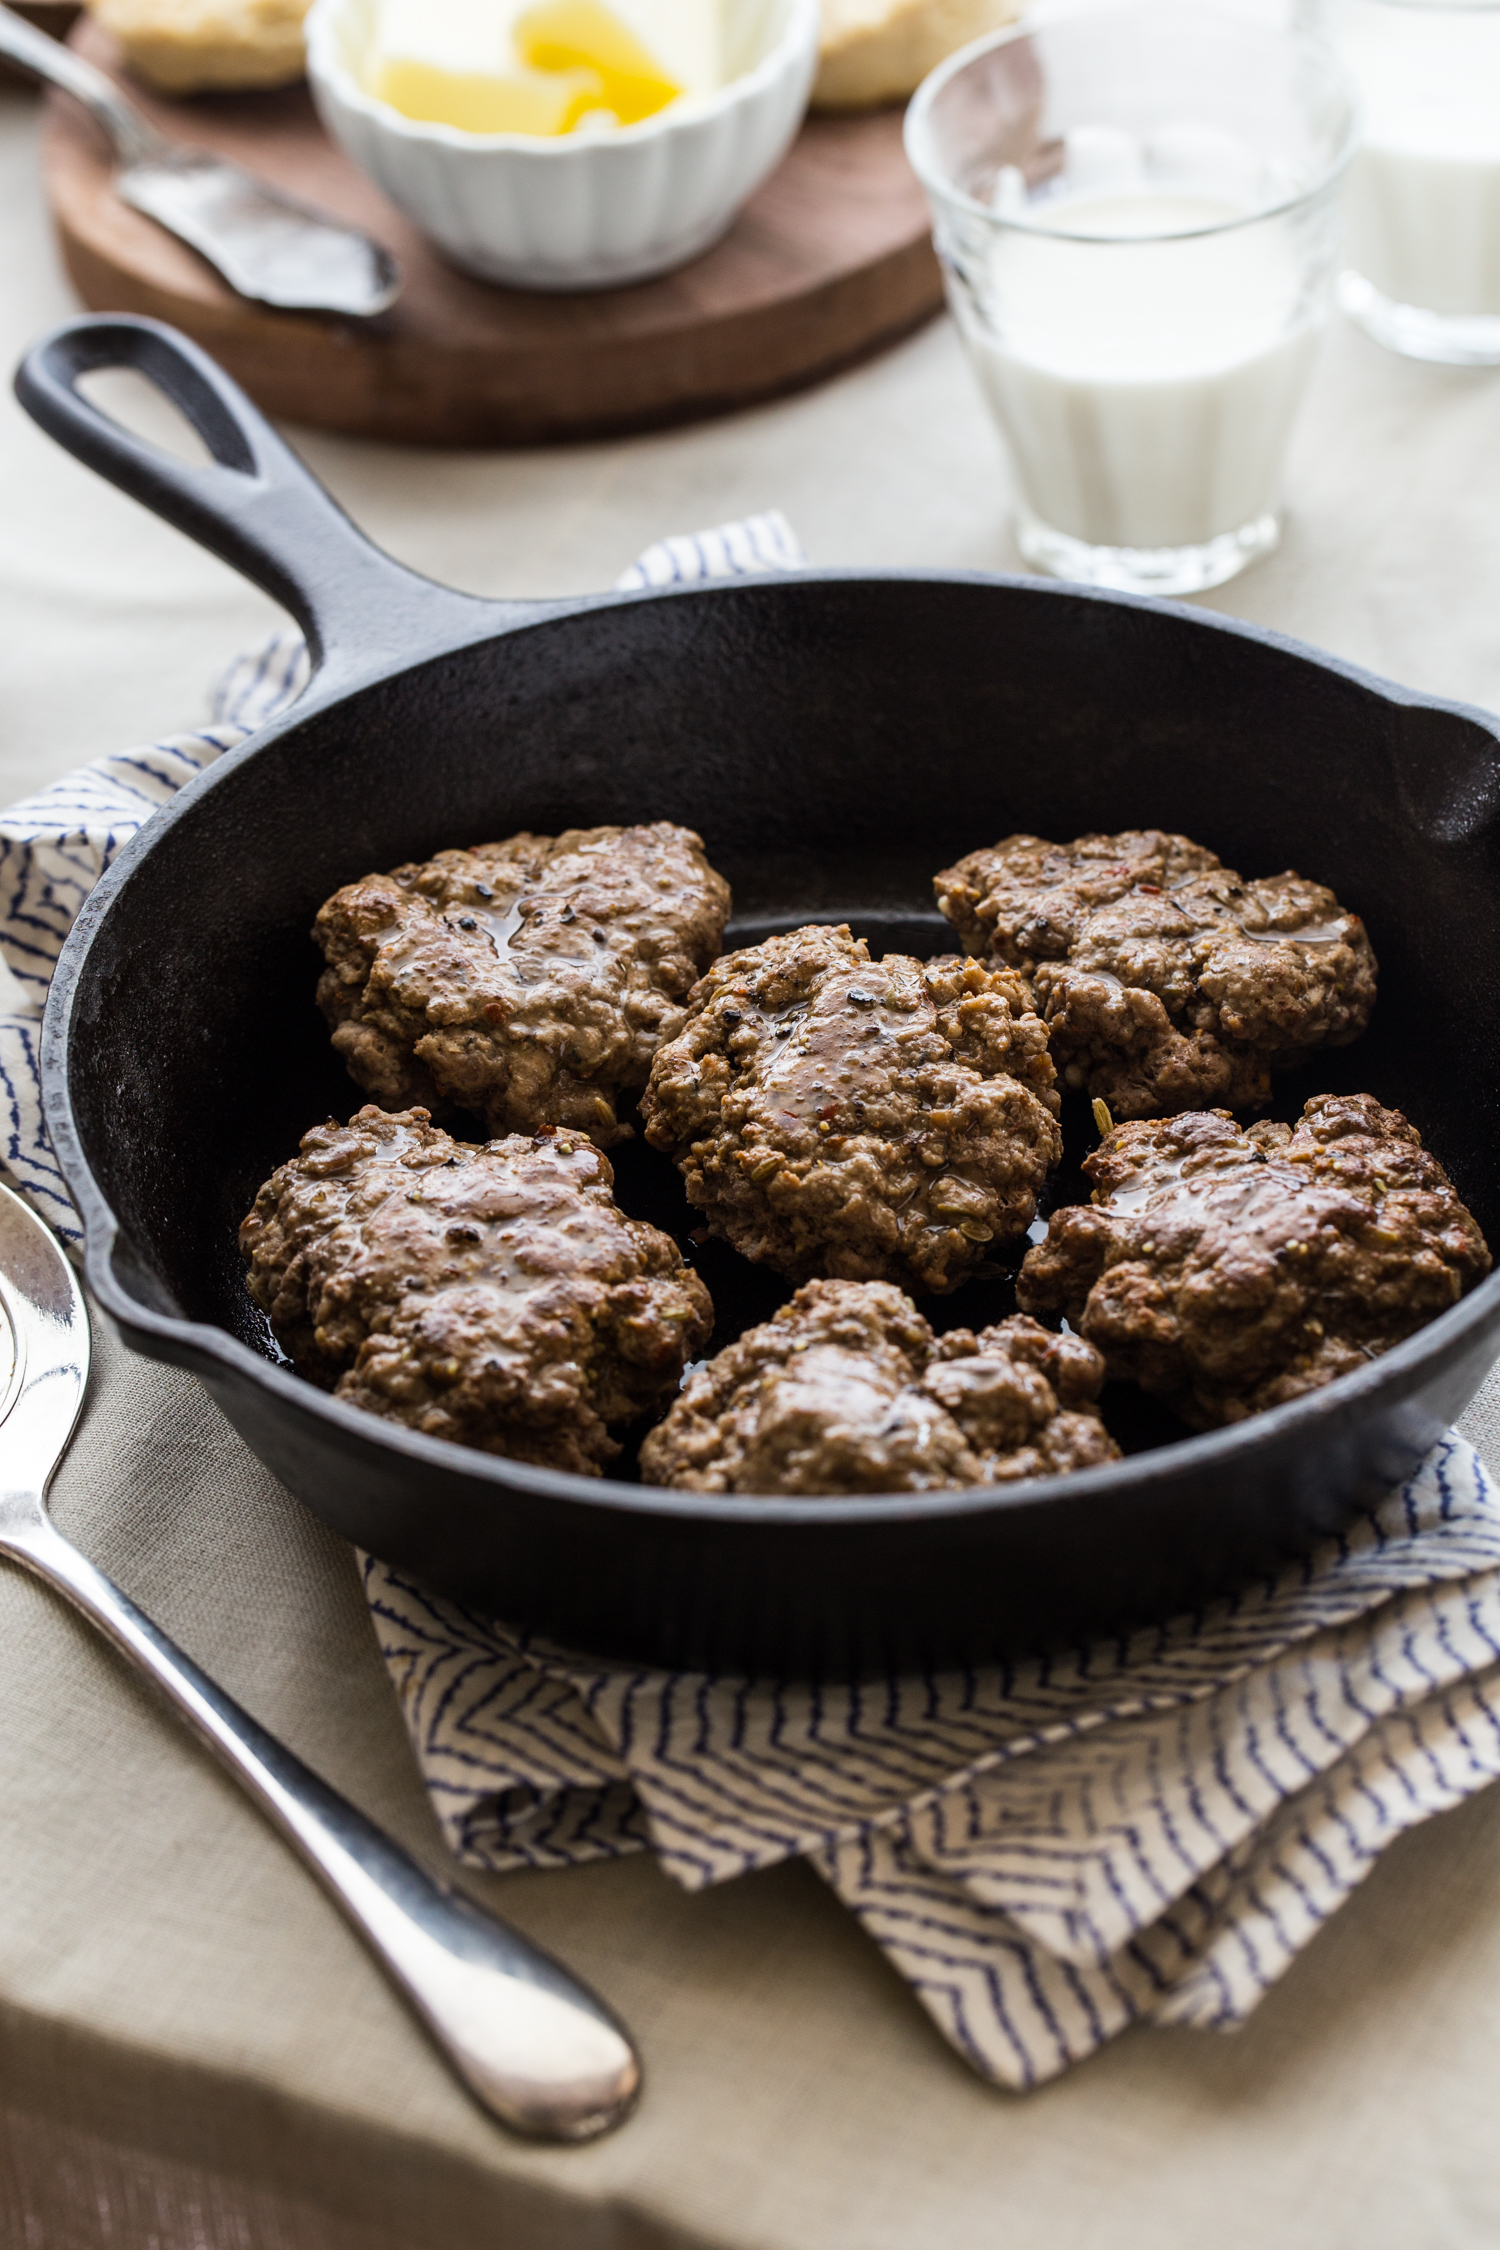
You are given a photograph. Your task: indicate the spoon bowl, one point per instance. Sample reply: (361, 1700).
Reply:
(267, 246)
(44, 1339)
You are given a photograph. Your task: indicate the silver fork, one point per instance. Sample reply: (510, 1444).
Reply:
(536, 2048)
(265, 244)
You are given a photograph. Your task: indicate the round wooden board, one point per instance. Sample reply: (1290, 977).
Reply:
(829, 261)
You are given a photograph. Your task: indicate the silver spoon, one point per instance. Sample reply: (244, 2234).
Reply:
(535, 2047)
(266, 245)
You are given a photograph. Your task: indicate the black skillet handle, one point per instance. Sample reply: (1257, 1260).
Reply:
(257, 506)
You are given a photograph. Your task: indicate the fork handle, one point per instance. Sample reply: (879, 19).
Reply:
(131, 138)
(535, 2047)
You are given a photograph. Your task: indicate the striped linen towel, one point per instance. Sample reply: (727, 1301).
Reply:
(1143, 1830)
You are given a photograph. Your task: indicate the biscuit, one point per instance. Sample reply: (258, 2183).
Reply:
(876, 51)
(199, 46)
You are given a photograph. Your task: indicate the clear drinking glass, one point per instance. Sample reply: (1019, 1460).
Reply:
(1422, 204)
(1137, 215)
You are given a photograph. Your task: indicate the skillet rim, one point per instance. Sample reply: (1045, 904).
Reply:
(193, 1342)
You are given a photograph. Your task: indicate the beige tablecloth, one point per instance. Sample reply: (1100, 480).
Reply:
(193, 2051)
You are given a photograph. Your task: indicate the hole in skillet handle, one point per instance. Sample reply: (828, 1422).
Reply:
(128, 399)
(254, 504)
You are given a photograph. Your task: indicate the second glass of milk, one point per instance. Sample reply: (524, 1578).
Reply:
(1137, 215)
(1422, 209)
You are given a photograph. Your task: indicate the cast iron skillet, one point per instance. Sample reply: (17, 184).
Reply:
(836, 738)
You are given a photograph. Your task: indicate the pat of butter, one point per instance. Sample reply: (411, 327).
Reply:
(512, 101)
(543, 66)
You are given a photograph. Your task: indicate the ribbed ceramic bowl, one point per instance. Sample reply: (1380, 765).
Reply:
(583, 211)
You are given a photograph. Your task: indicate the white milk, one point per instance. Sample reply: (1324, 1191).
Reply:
(1422, 208)
(1147, 387)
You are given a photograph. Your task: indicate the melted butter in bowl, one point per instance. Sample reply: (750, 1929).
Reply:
(565, 144)
(544, 67)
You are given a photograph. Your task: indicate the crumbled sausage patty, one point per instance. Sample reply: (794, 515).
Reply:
(875, 1120)
(530, 981)
(1167, 983)
(1227, 1271)
(492, 1295)
(847, 1390)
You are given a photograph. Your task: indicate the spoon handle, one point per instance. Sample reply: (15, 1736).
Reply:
(535, 2047)
(129, 134)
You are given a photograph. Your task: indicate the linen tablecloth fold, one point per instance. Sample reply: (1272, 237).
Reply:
(1147, 1829)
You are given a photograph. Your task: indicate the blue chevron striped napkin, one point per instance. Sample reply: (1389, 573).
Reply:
(1144, 1830)
(1147, 1829)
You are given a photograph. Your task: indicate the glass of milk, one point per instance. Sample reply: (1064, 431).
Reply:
(1422, 206)
(1137, 215)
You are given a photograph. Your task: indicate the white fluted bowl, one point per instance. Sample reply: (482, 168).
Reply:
(582, 211)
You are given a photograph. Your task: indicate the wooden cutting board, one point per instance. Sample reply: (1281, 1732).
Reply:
(829, 262)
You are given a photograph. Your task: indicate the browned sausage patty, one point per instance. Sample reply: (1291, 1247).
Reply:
(495, 1296)
(1227, 1271)
(874, 1120)
(529, 982)
(1167, 983)
(847, 1390)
